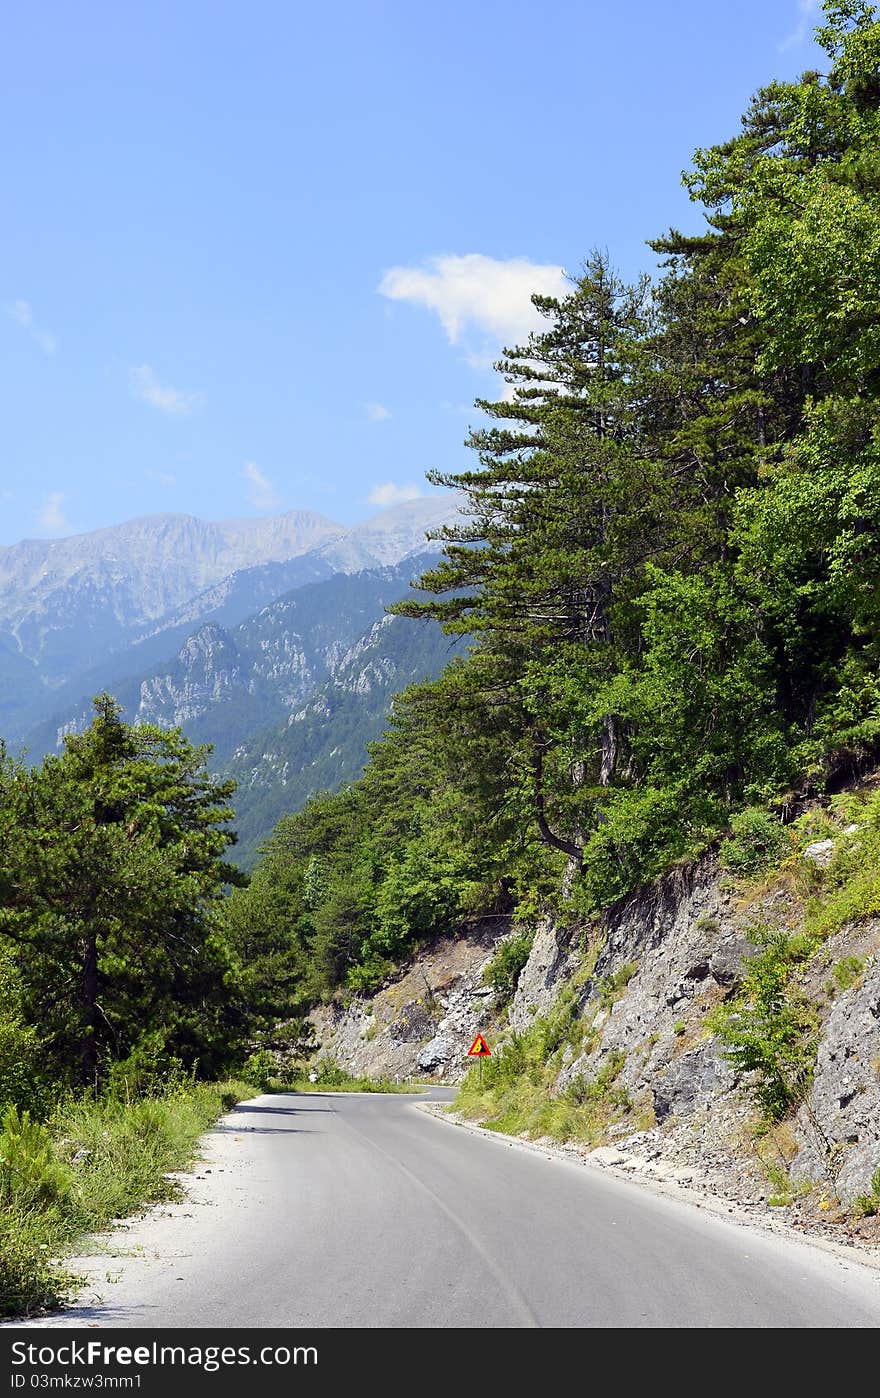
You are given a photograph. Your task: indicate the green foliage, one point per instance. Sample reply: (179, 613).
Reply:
(869, 1204)
(770, 1028)
(92, 1162)
(112, 882)
(516, 1093)
(847, 972)
(23, 1080)
(260, 1069)
(30, 1175)
(756, 843)
(849, 889)
(610, 988)
(601, 1091)
(503, 971)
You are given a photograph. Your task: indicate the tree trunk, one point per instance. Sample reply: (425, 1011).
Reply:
(559, 842)
(89, 1002)
(608, 759)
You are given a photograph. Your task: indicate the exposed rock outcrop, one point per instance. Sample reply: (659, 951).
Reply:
(839, 1124)
(424, 1019)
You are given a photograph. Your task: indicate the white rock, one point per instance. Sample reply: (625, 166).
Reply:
(820, 852)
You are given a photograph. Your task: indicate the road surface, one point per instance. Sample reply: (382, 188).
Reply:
(362, 1210)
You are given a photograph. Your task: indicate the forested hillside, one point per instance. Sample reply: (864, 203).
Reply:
(670, 567)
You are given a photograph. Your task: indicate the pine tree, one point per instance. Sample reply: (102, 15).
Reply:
(114, 872)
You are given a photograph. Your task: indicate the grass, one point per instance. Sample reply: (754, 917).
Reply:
(867, 1205)
(267, 1074)
(350, 1085)
(517, 1097)
(87, 1165)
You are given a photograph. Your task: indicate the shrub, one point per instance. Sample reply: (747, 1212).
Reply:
(260, 1069)
(503, 971)
(757, 841)
(611, 987)
(769, 1028)
(31, 1177)
(847, 972)
(869, 1204)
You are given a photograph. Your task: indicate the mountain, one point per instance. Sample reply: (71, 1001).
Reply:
(63, 598)
(323, 745)
(289, 697)
(391, 536)
(81, 614)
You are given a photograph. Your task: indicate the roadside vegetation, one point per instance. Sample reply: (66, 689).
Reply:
(87, 1163)
(515, 1091)
(268, 1073)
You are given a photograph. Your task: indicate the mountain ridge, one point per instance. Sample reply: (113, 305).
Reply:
(111, 602)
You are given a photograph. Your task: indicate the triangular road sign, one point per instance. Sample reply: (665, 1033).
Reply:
(479, 1048)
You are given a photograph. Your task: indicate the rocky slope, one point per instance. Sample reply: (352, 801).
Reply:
(424, 1020)
(644, 981)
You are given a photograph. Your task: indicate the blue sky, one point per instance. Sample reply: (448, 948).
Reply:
(257, 257)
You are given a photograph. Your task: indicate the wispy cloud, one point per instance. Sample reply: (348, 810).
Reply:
(808, 12)
(51, 516)
(475, 292)
(377, 412)
(146, 386)
(262, 493)
(163, 477)
(392, 494)
(23, 314)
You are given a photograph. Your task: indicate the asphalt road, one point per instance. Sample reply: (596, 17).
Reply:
(364, 1211)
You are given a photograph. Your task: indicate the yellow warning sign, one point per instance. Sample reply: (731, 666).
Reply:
(479, 1048)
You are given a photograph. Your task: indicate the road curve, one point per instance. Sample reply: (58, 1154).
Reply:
(360, 1210)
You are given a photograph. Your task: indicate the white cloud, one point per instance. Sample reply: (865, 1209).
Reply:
(808, 11)
(146, 386)
(51, 516)
(22, 313)
(392, 494)
(262, 494)
(377, 412)
(163, 477)
(478, 292)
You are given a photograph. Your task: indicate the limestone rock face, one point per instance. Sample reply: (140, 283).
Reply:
(424, 1020)
(681, 942)
(646, 978)
(840, 1124)
(551, 961)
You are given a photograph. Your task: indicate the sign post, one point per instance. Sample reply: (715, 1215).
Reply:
(479, 1050)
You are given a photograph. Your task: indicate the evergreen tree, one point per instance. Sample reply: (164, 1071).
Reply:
(113, 877)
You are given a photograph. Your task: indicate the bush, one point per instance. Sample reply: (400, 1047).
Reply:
(869, 1204)
(22, 1080)
(503, 971)
(847, 972)
(31, 1177)
(147, 1071)
(260, 1069)
(770, 1028)
(30, 1283)
(757, 842)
